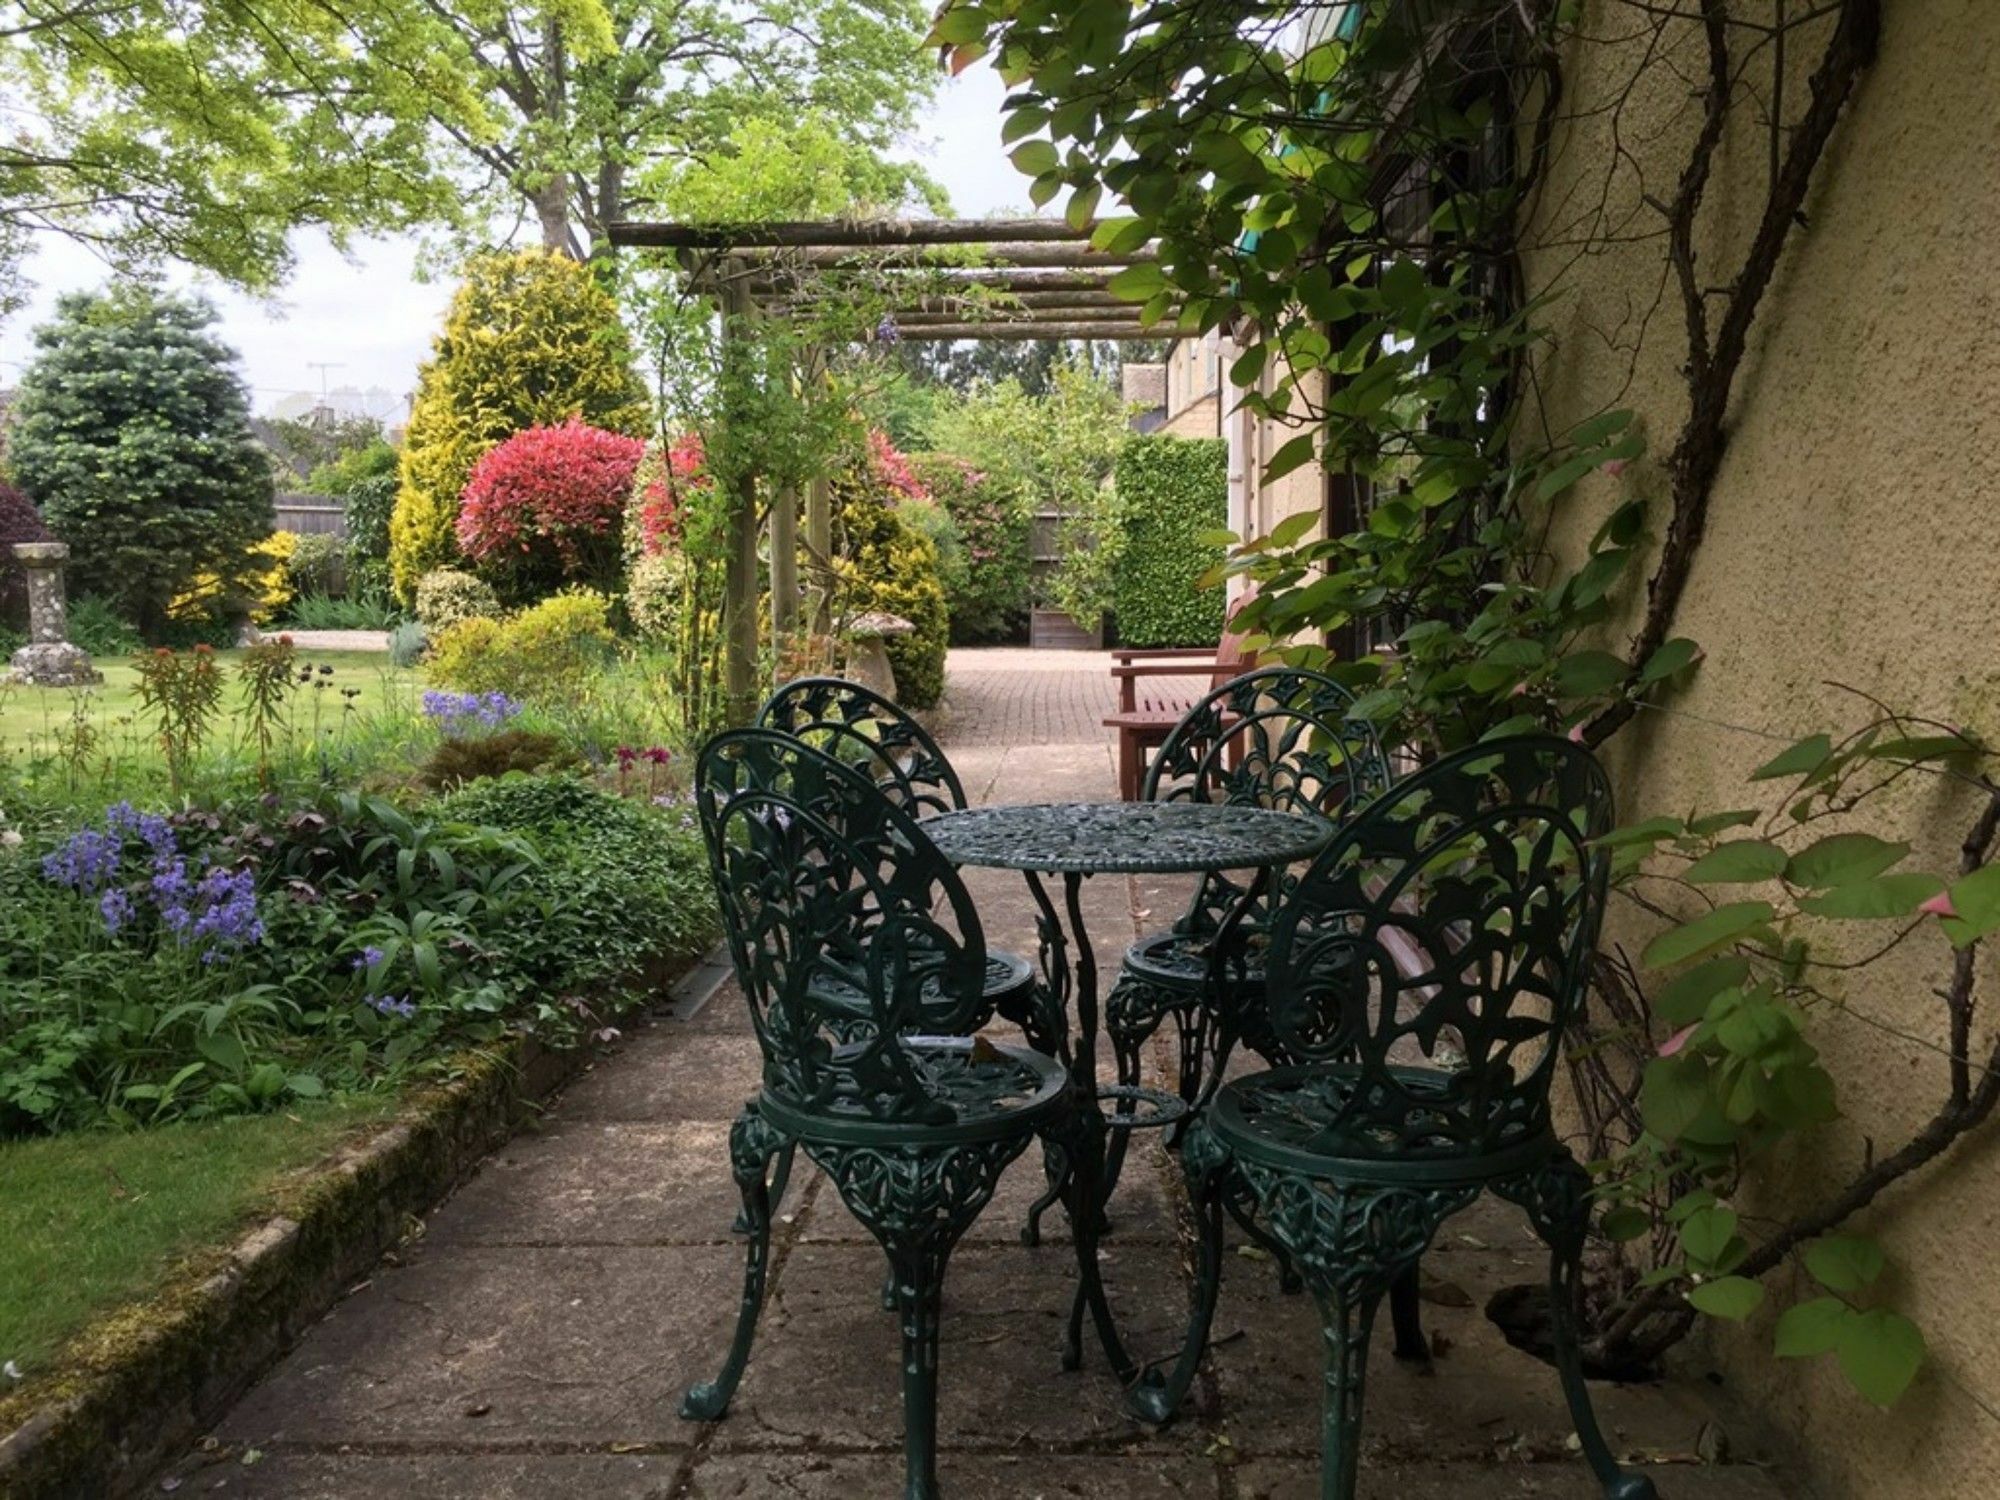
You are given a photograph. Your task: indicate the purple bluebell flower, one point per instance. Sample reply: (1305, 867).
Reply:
(456, 713)
(393, 1005)
(115, 906)
(229, 912)
(367, 958)
(86, 862)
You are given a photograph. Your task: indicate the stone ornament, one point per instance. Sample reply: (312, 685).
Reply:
(49, 660)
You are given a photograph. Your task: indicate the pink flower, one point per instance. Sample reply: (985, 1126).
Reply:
(1614, 467)
(1678, 1040)
(1576, 734)
(1940, 905)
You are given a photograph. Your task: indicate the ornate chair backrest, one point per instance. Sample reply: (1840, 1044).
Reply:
(864, 730)
(827, 887)
(1276, 737)
(1439, 947)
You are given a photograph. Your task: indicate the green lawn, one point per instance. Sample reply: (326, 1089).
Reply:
(97, 1219)
(31, 714)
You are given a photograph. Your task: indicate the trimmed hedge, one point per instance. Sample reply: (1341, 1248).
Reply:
(1170, 491)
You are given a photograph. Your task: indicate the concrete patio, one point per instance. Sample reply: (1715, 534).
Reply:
(534, 1337)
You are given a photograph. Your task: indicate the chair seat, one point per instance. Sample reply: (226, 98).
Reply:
(979, 1089)
(1181, 961)
(1007, 975)
(1409, 1126)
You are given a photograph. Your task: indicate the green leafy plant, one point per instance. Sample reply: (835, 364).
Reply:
(461, 759)
(1173, 495)
(888, 565)
(269, 673)
(182, 692)
(1772, 915)
(988, 595)
(545, 655)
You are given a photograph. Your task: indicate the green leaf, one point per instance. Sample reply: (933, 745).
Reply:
(1137, 283)
(306, 1085)
(1297, 451)
(1686, 999)
(1841, 857)
(1624, 1222)
(1808, 755)
(1811, 1328)
(1880, 1353)
(1082, 204)
(1884, 896)
(1033, 158)
(1714, 823)
(1734, 863)
(1675, 656)
(1731, 1297)
(1649, 832)
(1585, 674)
(1844, 1262)
(1976, 899)
(1120, 236)
(1673, 1095)
(1706, 1234)
(965, 24)
(1705, 934)
(1293, 528)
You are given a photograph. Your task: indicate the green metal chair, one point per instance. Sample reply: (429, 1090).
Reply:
(1276, 737)
(873, 737)
(1422, 973)
(821, 878)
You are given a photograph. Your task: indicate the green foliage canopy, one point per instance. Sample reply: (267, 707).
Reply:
(1173, 497)
(133, 434)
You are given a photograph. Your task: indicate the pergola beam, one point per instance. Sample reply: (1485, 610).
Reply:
(1009, 253)
(932, 333)
(873, 232)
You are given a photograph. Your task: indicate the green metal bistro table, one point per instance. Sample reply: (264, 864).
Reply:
(1076, 840)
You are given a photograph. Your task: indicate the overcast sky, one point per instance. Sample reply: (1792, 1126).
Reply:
(367, 315)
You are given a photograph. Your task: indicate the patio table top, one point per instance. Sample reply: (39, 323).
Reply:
(1133, 838)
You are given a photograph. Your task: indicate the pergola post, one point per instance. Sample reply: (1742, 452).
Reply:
(739, 584)
(784, 563)
(819, 542)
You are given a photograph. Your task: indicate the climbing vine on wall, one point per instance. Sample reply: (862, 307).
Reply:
(1354, 192)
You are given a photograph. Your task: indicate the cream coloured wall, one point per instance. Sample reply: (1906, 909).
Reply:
(1852, 539)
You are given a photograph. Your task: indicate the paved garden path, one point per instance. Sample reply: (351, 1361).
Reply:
(534, 1338)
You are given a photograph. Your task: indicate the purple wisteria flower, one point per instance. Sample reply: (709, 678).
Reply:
(393, 1005)
(459, 713)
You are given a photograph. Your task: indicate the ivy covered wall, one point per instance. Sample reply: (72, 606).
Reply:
(1171, 493)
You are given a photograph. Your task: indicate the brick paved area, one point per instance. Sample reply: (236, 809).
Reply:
(533, 1342)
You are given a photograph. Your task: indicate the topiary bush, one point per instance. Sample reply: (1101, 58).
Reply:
(547, 507)
(1170, 491)
(888, 564)
(132, 433)
(446, 596)
(19, 522)
(531, 339)
(992, 518)
(465, 656)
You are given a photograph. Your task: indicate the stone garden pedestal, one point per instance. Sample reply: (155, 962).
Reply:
(49, 660)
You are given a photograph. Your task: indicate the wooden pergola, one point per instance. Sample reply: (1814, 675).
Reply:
(940, 280)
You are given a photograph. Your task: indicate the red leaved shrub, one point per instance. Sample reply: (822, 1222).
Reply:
(19, 522)
(663, 492)
(546, 507)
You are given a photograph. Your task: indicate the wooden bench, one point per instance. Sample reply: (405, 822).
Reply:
(1146, 716)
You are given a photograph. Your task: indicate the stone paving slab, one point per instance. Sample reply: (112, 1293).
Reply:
(537, 1338)
(475, 1346)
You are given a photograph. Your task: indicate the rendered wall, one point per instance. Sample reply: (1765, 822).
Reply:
(1854, 537)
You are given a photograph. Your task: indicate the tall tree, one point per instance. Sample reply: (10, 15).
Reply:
(150, 130)
(590, 107)
(133, 434)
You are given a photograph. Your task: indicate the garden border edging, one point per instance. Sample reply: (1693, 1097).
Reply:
(156, 1374)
